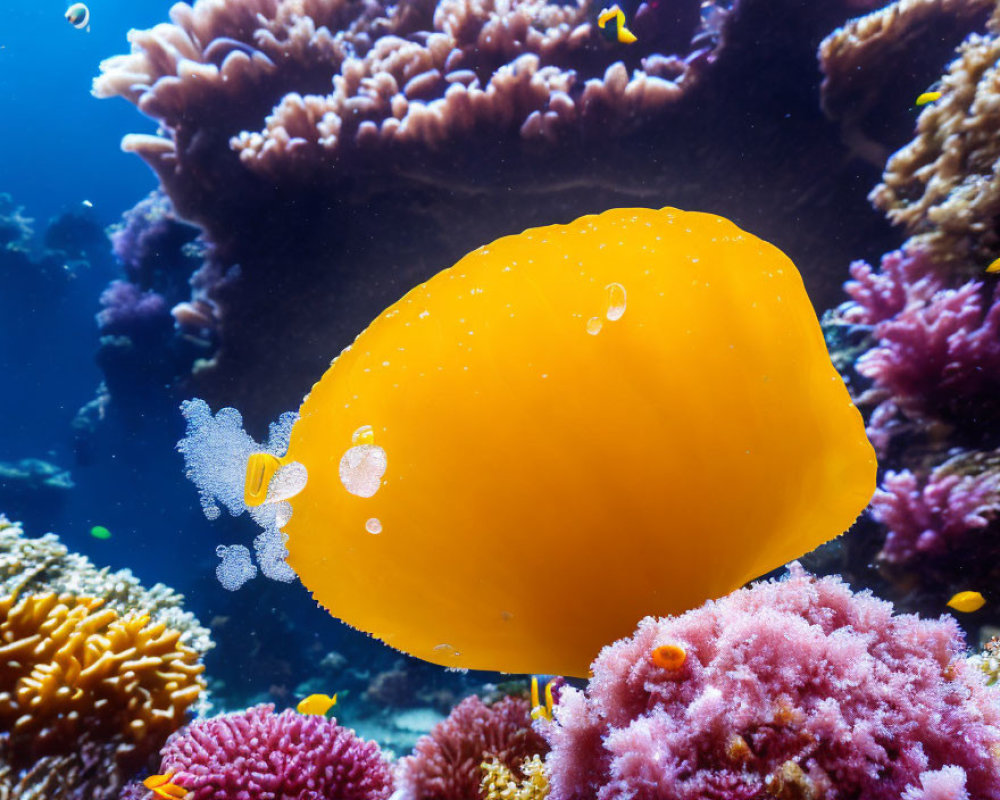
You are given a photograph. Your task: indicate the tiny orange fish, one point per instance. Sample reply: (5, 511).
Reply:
(163, 786)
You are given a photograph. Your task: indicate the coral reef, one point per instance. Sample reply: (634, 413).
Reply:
(873, 103)
(445, 764)
(286, 756)
(87, 696)
(499, 782)
(380, 142)
(794, 688)
(940, 523)
(72, 669)
(944, 186)
(930, 351)
(45, 565)
(93, 771)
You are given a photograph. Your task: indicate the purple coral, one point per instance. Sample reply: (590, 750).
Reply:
(792, 688)
(445, 764)
(936, 515)
(938, 356)
(287, 756)
(903, 280)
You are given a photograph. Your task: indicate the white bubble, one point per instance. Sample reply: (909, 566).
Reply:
(594, 326)
(373, 525)
(271, 554)
(236, 568)
(362, 468)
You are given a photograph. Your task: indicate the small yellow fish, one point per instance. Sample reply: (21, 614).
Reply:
(317, 704)
(994, 265)
(163, 786)
(928, 97)
(967, 602)
(618, 30)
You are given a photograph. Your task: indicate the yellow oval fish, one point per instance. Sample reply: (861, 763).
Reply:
(568, 430)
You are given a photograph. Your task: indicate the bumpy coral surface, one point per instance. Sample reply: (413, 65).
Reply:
(46, 565)
(415, 72)
(288, 756)
(874, 64)
(944, 186)
(446, 764)
(70, 669)
(940, 514)
(795, 689)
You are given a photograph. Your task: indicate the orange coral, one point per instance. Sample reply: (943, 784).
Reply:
(69, 667)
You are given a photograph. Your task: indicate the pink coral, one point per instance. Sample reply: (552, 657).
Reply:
(936, 515)
(903, 280)
(794, 688)
(445, 764)
(287, 756)
(940, 359)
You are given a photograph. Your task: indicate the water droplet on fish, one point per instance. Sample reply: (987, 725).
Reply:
(373, 525)
(594, 326)
(616, 302)
(362, 468)
(363, 435)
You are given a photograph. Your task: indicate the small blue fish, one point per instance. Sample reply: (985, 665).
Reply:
(78, 15)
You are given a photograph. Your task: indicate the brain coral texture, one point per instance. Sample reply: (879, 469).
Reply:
(289, 756)
(944, 186)
(793, 689)
(446, 764)
(70, 670)
(415, 72)
(44, 565)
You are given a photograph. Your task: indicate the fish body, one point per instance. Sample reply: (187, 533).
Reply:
(592, 390)
(928, 97)
(967, 602)
(611, 21)
(78, 15)
(317, 704)
(163, 786)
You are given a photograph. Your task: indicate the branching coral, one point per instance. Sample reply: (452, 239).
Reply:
(944, 187)
(71, 670)
(499, 782)
(409, 74)
(795, 688)
(934, 354)
(445, 764)
(942, 517)
(287, 756)
(940, 359)
(913, 36)
(45, 565)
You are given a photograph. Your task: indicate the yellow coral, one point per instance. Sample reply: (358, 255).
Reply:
(68, 667)
(499, 783)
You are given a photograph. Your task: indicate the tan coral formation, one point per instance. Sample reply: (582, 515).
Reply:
(409, 73)
(46, 565)
(944, 186)
(69, 667)
(865, 61)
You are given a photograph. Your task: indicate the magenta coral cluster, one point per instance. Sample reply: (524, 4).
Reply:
(794, 688)
(935, 354)
(936, 515)
(288, 756)
(445, 764)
